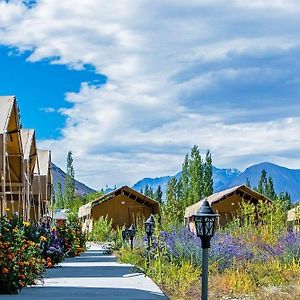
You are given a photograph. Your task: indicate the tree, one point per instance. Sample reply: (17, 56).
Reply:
(285, 198)
(208, 181)
(158, 194)
(70, 182)
(59, 199)
(196, 176)
(173, 209)
(262, 183)
(270, 192)
(185, 179)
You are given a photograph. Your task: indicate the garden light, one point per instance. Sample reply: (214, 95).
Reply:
(205, 222)
(131, 233)
(124, 235)
(149, 228)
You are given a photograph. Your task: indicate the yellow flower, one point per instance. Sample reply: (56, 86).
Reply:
(42, 238)
(26, 224)
(15, 230)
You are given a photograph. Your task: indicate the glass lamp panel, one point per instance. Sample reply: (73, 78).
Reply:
(151, 228)
(210, 226)
(147, 228)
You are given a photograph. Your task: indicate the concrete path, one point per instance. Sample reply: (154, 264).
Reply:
(93, 275)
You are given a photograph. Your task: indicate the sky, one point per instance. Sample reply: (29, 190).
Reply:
(130, 86)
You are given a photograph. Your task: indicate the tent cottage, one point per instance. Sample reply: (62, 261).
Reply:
(25, 185)
(122, 206)
(226, 203)
(293, 219)
(42, 183)
(11, 155)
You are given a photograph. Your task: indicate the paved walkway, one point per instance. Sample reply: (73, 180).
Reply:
(93, 275)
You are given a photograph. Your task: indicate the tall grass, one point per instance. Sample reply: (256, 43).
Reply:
(253, 251)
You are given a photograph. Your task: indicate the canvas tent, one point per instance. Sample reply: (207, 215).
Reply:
(293, 218)
(226, 203)
(42, 184)
(11, 156)
(122, 206)
(30, 159)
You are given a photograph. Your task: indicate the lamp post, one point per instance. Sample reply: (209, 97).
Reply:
(149, 228)
(124, 235)
(205, 221)
(131, 232)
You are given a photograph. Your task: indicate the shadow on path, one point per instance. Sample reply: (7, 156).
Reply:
(93, 275)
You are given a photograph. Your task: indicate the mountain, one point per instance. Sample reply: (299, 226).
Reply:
(222, 179)
(59, 175)
(154, 183)
(284, 179)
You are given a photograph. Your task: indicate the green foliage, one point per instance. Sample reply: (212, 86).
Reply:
(196, 186)
(266, 188)
(70, 182)
(208, 175)
(176, 278)
(102, 230)
(196, 182)
(59, 199)
(173, 209)
(185, 179)
(264, 221)
(20, 257)
(149, 192)
(158, 194)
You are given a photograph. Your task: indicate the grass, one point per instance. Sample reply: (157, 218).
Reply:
(252, 258)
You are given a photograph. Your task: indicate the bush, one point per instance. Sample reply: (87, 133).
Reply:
(102, 230)
(20, 258)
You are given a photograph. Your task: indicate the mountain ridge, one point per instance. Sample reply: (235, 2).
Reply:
(284, 179)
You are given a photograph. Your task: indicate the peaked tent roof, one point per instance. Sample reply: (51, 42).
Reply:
(241, 190)
(28, 138)
(6, 107)
(43, 163)
(125, 190)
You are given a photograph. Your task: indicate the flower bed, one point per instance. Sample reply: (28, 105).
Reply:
(20, 258)
(25, 249)
(239, 264)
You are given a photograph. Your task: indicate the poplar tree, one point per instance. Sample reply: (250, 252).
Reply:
(173, 209)
(70, 182)
(158, 194)
(208, 181)
(59, 199)
(262, 183)
(270, 192)
(185, 179)
(196, 176)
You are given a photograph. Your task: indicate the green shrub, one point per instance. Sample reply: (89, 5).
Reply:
(102, 230)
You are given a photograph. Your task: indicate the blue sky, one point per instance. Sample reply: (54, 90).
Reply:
(40, 89)
(161, 77)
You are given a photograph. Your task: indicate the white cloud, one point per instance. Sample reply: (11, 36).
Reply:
(47, 109)
(161, 59)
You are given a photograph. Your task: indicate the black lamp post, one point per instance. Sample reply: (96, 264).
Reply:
(124, 235)
(131, 233)
(149, 228)
(205, 221)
